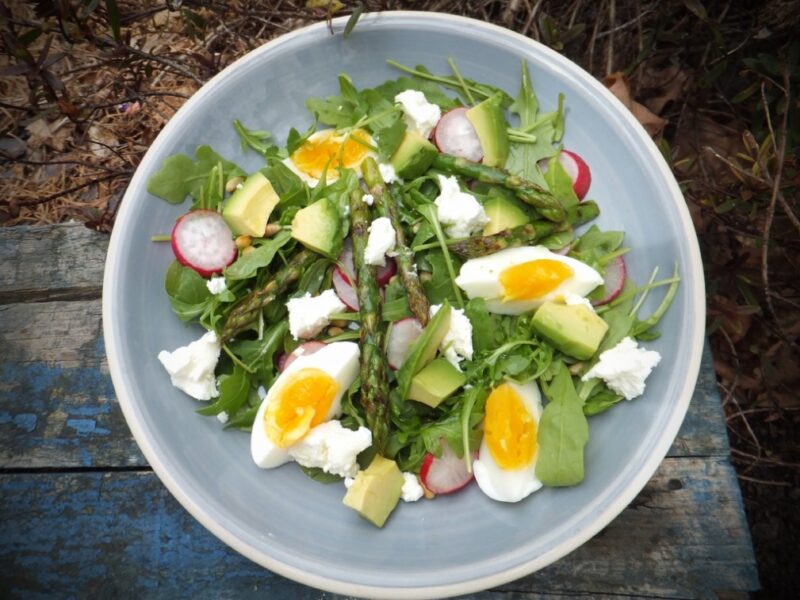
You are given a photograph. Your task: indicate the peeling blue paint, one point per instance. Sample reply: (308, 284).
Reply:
(87, 427)
(25, 421)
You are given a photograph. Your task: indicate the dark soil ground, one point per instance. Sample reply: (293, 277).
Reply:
(87, 85)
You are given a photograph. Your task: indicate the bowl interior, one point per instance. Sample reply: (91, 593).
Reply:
(299, 527)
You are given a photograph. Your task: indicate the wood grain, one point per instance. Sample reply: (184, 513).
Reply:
(122, 533)
(54, 262)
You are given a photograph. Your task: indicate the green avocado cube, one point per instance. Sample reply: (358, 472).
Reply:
(576, 330)
(437, 381)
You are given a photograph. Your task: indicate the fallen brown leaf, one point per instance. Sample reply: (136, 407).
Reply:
(618, 85)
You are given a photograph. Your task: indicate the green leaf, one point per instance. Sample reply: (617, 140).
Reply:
(389, 138)
(233, 391)
(174, 180)
(429, 211)
(291, 190)
(563, 433)
(433, 93)
(418, 349)
(255, 139)
(351, 22)
(320, 476)
(526, 105)
(187, 291)
(247, 265)
(600, 401)
(560, 183)
(483, 325)
(112, 12)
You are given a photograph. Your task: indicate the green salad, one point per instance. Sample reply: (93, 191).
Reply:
(409, 294)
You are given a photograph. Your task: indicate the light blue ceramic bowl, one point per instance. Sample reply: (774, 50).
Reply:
(299, 528)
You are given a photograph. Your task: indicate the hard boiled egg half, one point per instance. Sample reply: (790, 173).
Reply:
(309, 392)
(506, 465)
(330, 149)
(517, 280)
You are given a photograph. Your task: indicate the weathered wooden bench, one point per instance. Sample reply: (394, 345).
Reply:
(82, 514)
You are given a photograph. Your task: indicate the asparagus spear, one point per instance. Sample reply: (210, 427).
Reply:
(246, 310)
(529, 233)
(543, 200)
(387, 200)
(374, 379)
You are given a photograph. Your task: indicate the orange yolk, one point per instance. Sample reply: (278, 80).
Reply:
(533, 279)
(509, 429)
(302, 402)
(331, 150)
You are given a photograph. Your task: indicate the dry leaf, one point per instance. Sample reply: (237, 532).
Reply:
(618, 85)
(101, 141)
(44, 133)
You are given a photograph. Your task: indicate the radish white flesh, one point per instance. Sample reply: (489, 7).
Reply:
(346, 266)
(402, 334)
(302, 350)
(576, 168)
(203, 241)
(386, 272)
(344, 290)
(444, 474)
(454, 134)
(613, 281)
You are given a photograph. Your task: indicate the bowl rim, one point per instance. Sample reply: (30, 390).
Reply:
(694, 279)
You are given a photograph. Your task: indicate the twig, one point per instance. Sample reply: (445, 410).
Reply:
(627, 24)
(612, 18)
(35, 201)
(764, 459)
(529, 21)
(159, 59)
(763, 481)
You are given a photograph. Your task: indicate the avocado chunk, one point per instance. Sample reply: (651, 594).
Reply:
(376, 490)
(490, 125)
(317, 227)
(413, 156)
(435, 382)
(503, 214)
(424, 348)
(248, 209)
(574, 329)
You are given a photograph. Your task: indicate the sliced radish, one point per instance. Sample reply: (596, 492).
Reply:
(563, 251)
(386, 272)
(402, 334)
(284, 360)
(454, 134)
(576, 168)
(613, 281)
(444, 474)
(203, 241)
(346, 266)
(345, 291)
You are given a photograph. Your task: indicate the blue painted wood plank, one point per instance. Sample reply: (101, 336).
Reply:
(106, 534)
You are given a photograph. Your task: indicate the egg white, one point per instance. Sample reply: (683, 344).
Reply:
(331, 174)
(340, 361)
(480, 278)
(510, 485)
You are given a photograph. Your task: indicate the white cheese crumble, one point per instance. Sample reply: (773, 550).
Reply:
(624, 368)
(308, 315)
(223, 417)
(419, 114)
(216, 285)
(349, 481)
(412, 490)
(459, 212)
(571, 299)
(262, 392)
(387, 173)
(191, 368)
(368, 199)
(382, 239)
(332, 448)
(457, 342)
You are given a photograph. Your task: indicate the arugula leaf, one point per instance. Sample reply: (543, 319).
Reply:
(433, 93)
(563, 433)
(295, 139)
(560, 183)
(291, 190)
(418, 349)
(389, 138)
(483, 325)
(429, 211)
(180, 176)
(255, 139)
(600, 401)
(247, 265)
(340, 111)
(233, 391)
(187, 291)
(439, 287)
(320, 476)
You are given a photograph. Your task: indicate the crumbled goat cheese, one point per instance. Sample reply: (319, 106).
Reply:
(387, 173)
(576, 299)
(262, 392)
(308, 315)
(349, 481)
(332, 448)
(368, 199)
(382, 239)
(191, 368)
(419, 114)
(216, 285)
(457, 342)
(459, 212)
(624, 368)
(223, 417)
(412, 490)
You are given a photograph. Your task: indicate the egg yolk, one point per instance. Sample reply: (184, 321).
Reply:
(509, 430)
(302, 403)
(533, 279)
(333, 151)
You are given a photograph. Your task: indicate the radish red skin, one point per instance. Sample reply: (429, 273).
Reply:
(614, 280)
(284, 360)
(454, 477)
(344, 290)
(227, 247)
(583, 179)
